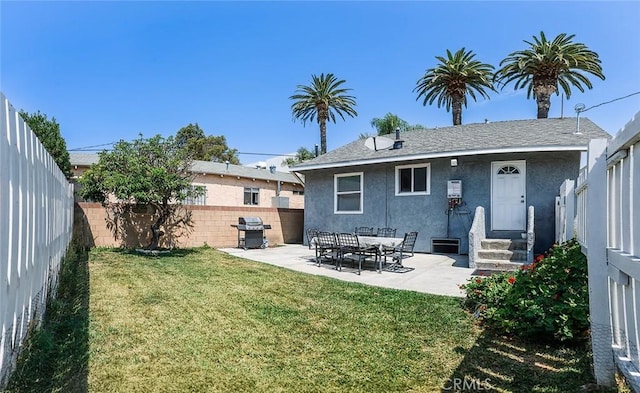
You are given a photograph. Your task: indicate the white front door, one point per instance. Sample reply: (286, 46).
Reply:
(508, 203)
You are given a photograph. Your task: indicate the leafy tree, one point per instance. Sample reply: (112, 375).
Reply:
(547, 64)
(390, 122)
(205, 148)
(152, 175)
(322, 101)
(48, 132)
(303, 154)
(457, 76)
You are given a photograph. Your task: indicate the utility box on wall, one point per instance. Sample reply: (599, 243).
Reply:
(454, 189)
(280, 202)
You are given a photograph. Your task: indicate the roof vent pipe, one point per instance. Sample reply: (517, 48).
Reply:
(397, 144)
(578, 108)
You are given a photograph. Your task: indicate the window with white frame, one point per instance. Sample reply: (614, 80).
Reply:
(413, 179)
(200, 200)
(348, 193)
(251, 196)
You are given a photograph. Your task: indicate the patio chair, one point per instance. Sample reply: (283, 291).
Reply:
(311, 233)
(403, 249)
(364, 231)
(326, 247)
(386, 232)
(350, 249)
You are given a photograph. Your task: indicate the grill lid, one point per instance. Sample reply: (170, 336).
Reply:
(250, 221)
(251, 224)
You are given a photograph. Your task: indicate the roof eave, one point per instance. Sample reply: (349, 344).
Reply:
(427, 156)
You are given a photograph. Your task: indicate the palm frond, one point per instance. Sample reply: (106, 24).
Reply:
(558, 62)
(322, 101)
(457, 76)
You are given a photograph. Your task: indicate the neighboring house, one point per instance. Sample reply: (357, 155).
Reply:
(502, 166)
(230, 185)
(276, 163)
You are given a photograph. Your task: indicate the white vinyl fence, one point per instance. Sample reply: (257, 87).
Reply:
(608, 228)
(565, 211)
(36, 219)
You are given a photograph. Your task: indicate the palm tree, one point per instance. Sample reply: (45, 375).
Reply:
(322, 100)
(453, 79)
(547, 64)
(303, 154)
(388, 124)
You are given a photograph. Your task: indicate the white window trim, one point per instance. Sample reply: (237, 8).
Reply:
(335, 192)
(251, 192)
(412, 193)
(199, 201)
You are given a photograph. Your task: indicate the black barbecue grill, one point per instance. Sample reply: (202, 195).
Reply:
(253, 230)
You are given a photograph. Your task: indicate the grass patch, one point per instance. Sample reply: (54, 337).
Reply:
(202, 320)
(55, 357)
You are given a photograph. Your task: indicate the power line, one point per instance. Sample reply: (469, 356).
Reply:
(95, 148)
(92, 148)
(268, 154)
(608, 102)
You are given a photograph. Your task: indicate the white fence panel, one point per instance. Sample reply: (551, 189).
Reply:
(623, 248)
(608, 228)
(36, 219)
(581, 207)
(565, 211)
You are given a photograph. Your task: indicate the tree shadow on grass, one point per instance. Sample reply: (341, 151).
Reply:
(496, 363)
(161, 253)
(56, 356)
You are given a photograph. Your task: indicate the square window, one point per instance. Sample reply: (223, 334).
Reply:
(195, 199)
(251, 196)
(413, 179)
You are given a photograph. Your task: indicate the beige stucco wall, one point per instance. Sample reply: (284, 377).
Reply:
(224, 190)
(212, 226)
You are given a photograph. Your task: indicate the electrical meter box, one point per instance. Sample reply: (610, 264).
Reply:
(454, 189)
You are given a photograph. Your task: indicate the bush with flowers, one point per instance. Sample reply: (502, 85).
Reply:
(548, 299)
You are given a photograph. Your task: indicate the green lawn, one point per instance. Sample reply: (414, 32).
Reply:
(203, 321)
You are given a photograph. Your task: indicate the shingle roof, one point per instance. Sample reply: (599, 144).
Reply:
(468, 139)
(86, 159)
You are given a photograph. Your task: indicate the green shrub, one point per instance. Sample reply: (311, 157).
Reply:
(548, 299)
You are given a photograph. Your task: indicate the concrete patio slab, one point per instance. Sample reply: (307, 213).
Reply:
(433, 273)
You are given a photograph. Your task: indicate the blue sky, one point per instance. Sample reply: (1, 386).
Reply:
(112, 70)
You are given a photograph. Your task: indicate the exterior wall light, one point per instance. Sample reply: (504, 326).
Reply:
(454, 162)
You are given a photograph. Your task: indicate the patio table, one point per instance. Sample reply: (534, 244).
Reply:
(379, 243)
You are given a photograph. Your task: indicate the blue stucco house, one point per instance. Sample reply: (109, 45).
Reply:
(432, 180)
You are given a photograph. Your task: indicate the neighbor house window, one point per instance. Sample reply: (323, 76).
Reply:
(199, 200)
(298, 192)
(348, 193)
(251, 196)
(413, 179)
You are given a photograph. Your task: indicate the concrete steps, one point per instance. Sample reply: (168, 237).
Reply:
(498, 266)
(502, 254)
(504, 244)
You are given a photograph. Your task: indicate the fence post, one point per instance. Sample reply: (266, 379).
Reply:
(601, 339)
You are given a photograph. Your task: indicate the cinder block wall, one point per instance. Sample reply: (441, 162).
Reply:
(212, 226)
